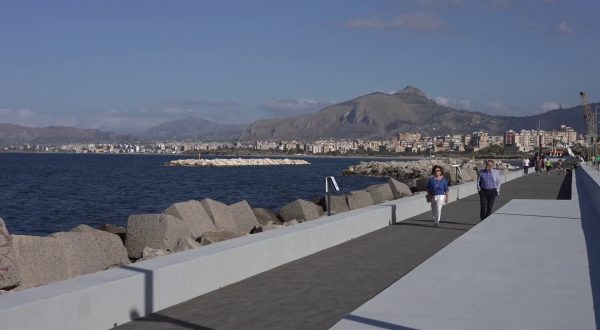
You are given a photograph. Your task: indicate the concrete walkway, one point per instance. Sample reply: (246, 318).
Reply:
(317, 291)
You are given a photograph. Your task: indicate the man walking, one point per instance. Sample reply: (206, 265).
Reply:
(526, 166)
(488, 185)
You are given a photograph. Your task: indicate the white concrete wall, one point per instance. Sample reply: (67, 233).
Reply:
(116, 296)
(590, 181)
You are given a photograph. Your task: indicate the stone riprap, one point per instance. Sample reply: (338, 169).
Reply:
(399, 189)
(243, 216)
(220, 214)
(301, 210)
(193, 213)
(218, 236)
(339, 204)
(380, 192)
(411, 172)
(158, 231)
(263, 216)
(9, 271)
(236, 162)
(63, 255)
(359, 199)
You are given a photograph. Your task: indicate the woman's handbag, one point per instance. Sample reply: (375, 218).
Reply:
(429, 198)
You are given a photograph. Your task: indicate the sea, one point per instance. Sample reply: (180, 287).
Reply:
(43, 193)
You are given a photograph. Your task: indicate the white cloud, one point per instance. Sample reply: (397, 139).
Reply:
(457, 104)
(563, 28)
(549, 105)
(290, 107)
(419, 22)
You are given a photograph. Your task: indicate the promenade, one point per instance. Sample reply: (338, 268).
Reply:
(317, 291)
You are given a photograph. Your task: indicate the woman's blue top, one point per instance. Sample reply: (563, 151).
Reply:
(438, 187)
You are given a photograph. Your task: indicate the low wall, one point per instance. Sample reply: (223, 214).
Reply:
(116, 296)
(590, 182)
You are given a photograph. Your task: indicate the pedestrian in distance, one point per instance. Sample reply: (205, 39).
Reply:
(488, 185)
(548, 166)
(559, 167)
(437, 188)
(525, 166)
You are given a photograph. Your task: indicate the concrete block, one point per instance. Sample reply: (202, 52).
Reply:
(9, 271)
(243, 216)
(158, 231)
(399, 189)
(301, 210)
(263, 216)
(359, 199)
(220, 214)
(339, 204)
(193, 213)
(380, 193)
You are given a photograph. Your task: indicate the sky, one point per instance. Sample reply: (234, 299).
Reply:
(127, 65)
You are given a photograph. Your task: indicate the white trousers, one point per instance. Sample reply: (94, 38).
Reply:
(436, 207)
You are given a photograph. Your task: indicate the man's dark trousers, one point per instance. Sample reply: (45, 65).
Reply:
(486, 201)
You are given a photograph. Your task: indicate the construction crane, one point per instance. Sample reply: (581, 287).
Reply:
(590, 121)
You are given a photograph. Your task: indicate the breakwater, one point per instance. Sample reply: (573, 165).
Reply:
(223, 162)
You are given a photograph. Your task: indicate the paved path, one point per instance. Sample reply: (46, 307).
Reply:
(317, 291)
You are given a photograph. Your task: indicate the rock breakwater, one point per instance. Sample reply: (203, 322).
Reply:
(416, 173)
(219, 162)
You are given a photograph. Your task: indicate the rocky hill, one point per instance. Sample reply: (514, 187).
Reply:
(380, 115)
(16, 135)
(195, 128)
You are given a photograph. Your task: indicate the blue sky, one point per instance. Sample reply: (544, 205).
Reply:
(128, 65)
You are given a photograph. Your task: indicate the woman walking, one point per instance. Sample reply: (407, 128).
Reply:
(437, 188)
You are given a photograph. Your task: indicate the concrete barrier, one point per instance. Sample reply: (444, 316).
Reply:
(590, 182)
(116, 296)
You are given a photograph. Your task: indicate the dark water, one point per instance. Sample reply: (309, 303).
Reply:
(45, 193)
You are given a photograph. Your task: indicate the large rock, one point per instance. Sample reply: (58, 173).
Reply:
(467, 174)
(89, 250)
(193, 213)
(263, 216)
(218, 236)
(41, 260)
(63, 255)
(220, 214)
(121, 231)
(158, 231)
(9, 271)
(243, 216)
(339, 204)
(380, 193)
(301, 210)
(359, 199)
(399, 189)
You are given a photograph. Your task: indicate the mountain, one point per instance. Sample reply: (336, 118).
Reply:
(16, 135)
(381, 115)
(195, 128)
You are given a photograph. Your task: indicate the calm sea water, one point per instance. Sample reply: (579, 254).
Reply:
(45, 193)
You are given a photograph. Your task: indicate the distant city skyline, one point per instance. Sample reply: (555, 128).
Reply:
(125, 66)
